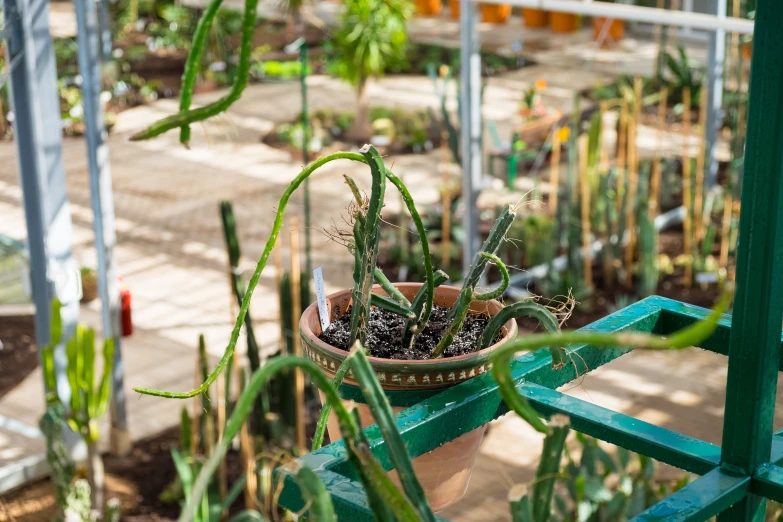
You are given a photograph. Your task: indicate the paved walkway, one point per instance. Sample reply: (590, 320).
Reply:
(170, 252)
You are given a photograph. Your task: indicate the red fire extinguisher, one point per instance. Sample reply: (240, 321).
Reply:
(126, 323)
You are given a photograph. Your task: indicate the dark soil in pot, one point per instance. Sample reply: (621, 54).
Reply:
(385, 331)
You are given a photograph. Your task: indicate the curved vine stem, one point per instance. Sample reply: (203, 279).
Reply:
(184, 118)
(192, 64)
(276, 226)
(501, 358)
(364, 464)
(497, 292)
(525, 309)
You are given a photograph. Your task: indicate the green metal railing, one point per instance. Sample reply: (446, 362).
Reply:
(736, 477)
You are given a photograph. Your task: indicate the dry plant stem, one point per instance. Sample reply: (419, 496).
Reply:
(584, 185)
(276, 226)
(698, 205)
(502, 357)
(655, 181)
(296, 310)
(687, 223)
(445, 227)
(192, 64)
(187, 117)
(221, 421)
(633, 181)
(525, 309)
(554, 171)
(363, 462)
(497, 292)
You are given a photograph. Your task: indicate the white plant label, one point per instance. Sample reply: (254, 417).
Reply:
(320, 294)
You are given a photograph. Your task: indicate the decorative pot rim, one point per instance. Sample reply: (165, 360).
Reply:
(403, 374)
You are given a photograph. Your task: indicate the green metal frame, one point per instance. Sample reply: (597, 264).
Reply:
(736, 477)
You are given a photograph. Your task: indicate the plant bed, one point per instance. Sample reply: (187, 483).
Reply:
(18, 352)
(396, 132)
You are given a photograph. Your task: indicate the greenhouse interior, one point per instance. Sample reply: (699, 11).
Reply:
(542, 287)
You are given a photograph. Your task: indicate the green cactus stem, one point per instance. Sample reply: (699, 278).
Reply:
(323, 417)
(192, 64)
(392, 306)
(549, 467)
(390, 289)
(276, 226)
(319, 502)
(184, 118)
(411, 327)
(502, 357)
(463, 303)
(370, 471)
(367, 252)
(384, 416)
(460, 309)
(519, 503)
(497, 292)
(525, 309)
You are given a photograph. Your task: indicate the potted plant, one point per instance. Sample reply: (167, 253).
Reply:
(89, 284)
(454, 8)
(495, 13)
(428, 7)
(535, 18)
(421, 337)
(563, 22)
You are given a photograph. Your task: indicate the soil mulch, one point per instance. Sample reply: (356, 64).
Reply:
(384, 334)
(18, 353)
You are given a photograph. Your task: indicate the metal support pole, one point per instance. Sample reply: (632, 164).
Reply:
(470, 80)
(716, 54)
(754, 345)
(37, 134)
(102, 207)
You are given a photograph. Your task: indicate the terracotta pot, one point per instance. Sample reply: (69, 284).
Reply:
(495, 13)
(747, 50)
(454, 8)
(535, 17)
(445, 471)
(614, 33)
(563, 22)
(428, 7)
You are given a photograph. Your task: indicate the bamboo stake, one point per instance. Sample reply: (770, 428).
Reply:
(673, 29)
(248, 454)
(296, 271)
(402, 232)
(445, 243)
(603, 154)
(221, 421)
(554, 171)
(687, 225)
(728, 201)
(278, 277)
(195, 440)
(584, 185)
(655, 181)
(698, 207)
(633, 180)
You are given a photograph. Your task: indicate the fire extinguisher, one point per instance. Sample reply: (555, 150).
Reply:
(126, 323)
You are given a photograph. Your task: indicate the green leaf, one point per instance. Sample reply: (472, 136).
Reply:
(596, 491)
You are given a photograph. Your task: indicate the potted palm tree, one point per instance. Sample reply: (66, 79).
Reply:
(363, 54)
